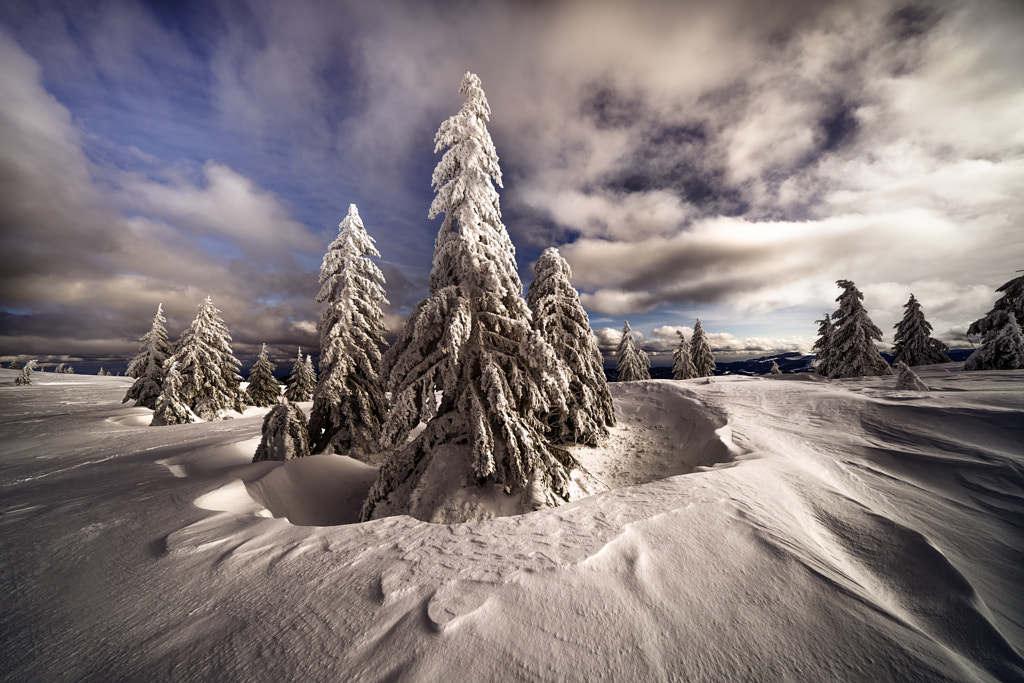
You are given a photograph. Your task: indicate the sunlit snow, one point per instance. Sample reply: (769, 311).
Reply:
(756, 528)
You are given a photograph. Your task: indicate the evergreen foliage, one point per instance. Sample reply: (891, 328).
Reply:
(285, 434)
(852, 350)
(25, 378)
(148, 366)
(682, 362)
(700, 352)
(209, 379)
(563, 323)
(264, 389)
(170, 409)
(999, 348)
(349, 404)
(302, 381)
(775, 370)
(631, 363)
(468, 362)
(913, 343)
(823, 346)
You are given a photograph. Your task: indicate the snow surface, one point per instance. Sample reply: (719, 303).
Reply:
(757, 528)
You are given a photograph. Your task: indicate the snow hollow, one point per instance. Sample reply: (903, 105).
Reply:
(755, 528)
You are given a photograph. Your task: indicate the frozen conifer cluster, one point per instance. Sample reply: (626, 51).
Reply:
(349, 404)
(468, 362)
(559, 317)
(700, 352)
(302, 381)
(25, 378)
(148, 366)
(285, 434)
(846, 343)
(206, 379)
(682, 362)
(264, 390)
(913, 343)
(631, 363)
(1002, 347)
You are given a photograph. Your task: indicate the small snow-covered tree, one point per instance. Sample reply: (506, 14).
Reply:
(349, 403)
(468, 362)
(285, 434)
(170, 409)
(913, 343)
(302, 381)
(700, 352)
(1001, 349)
(148, 366)
(563, 323)
(853, 352)
(995, 326)
(823, 346)
(25, 378)
(682, 362)
(907, 379)
(264, 389)
(775, 370)
(631, 363)
(208, 370)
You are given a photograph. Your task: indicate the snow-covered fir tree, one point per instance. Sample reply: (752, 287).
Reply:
(469, 363)
(995, 326)
(907, 379)
(264, 389)
(631, 363)
(349, 403)
(285, 434)
(823, 346)
(170, 409)
(774, 369)
(561, 320)
(148, 366)
(682, 362)
(700, 352)
(852, 349)
(913, 343)
(302, 381)
(209, 379)
(1001, 349)
(25, 378)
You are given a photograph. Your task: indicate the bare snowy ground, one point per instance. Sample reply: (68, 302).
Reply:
(757, 529)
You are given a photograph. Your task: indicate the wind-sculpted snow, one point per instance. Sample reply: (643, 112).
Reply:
(771, 528)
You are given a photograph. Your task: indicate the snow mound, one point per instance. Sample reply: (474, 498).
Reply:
(318, 490)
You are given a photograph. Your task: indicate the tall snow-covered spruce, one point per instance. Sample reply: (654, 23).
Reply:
(560, 318)
(700, 352)
(823, 349)
(302, 381)
(913, 343)
(682, 362)
(349, 404)
(206, 368)
(1000, 330)
(852, 341)
(469, 363)
(631, 363)
(264, 390)
(148, 366)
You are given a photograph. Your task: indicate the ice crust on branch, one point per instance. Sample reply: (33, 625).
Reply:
(148, 366)
(469, 363)
(563, 323)
(349, 403)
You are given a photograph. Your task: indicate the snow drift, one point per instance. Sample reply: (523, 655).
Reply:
(783, 527)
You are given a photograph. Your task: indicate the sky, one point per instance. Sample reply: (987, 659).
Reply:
(727, 161)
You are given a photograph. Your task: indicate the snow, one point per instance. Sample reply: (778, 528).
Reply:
(756, 528)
